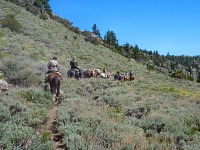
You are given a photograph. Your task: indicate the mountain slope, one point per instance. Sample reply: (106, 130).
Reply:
(152, 112)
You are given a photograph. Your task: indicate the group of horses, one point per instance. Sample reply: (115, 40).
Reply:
(54, 78)
(87, 73)
(122, 77)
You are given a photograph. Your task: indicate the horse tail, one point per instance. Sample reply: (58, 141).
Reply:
(54, 84)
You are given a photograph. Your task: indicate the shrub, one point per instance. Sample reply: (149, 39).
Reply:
(10, 22)
(1, 34)
(43, 16)
(9, 67)
(190, 78)
(75, 38)
(14, 135)
(35, 96)
(74, 29)
(150, 66)
(198, 80)
(19, 74)
(28, 77)
(178, 74)
(4, 115)
(34, 10)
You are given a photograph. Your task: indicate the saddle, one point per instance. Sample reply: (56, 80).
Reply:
(52, 72)
(76, 70)
(56, 73)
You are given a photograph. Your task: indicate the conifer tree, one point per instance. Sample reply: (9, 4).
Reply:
(110, 38)
(44, 4)
(95, 30)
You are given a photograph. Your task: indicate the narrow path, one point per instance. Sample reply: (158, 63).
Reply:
(52, 126)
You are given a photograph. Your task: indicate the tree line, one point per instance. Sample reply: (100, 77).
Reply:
(185, 67)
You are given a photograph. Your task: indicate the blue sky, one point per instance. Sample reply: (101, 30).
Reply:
(164, 25)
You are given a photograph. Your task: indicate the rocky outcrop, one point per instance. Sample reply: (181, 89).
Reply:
(91, 37)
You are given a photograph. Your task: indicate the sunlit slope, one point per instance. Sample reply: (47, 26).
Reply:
(152, 112)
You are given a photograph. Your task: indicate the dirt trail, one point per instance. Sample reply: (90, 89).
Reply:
(52, 126)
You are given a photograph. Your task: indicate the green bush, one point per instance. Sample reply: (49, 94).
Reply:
(43, 16)
(20, 74)
(14, 135)
(4, 115)
(28, 77)
(178, 74)
(74, 29)
(150, 66)
(1, 34)
(36, 96)
(190, 78)
(198, 80)
(9, 67)
(10, 22)
(32, 9)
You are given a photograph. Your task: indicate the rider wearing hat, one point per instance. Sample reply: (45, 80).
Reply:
(131, 73)
(126, 73)
(74, 64)
(52, 67)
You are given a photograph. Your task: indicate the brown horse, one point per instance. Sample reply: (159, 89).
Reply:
(132, 77)
(126, 78)
(95, 72)
(129, 78)
(54, 80)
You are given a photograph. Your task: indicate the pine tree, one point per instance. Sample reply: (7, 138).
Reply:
(95, 30)
(110, 38)
(43, 4)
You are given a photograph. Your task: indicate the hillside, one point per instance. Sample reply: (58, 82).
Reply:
(152, 112)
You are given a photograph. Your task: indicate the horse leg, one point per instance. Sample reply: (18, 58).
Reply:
(54, 85)
(51, 87)
(58, 89)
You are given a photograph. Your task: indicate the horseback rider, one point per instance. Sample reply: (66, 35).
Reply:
(118, 72)
(131, 73)
(52, 67)
(74, 65)
(119, 75)
(126, 73)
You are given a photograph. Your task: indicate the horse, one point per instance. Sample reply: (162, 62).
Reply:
(118, 77)
(95, 72)
(87, 73)
(54, 80)
(132, 77)
(3, 85)
(126, 78)
(129, 78)
(73, 73)
(104, 75)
